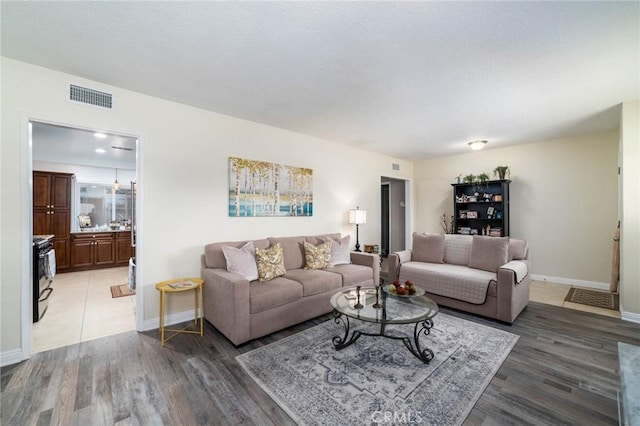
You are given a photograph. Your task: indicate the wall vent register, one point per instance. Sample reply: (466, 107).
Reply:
(90, 96)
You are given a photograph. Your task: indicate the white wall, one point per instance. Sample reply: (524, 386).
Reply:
(183, 180)
(630, 212)
(563, 200)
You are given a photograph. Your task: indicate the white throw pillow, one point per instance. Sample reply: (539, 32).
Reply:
(242, 261)
(340, 253)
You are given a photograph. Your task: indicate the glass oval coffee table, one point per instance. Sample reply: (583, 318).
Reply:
(373, 305)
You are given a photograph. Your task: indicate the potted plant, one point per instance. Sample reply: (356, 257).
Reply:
(469, 179)
(483, 178)
(501, 172)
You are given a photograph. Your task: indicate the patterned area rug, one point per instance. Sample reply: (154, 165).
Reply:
(377, 380)
(599, 299)
(121, 291)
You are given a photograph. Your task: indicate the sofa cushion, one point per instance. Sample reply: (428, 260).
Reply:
(242, 261)
(292, 249)
(315, 281)
(518, 249)
(340, 253)
(323, 238)
(428, 248)
(270, 262)
(457, 249)
(489, 253)
(317, 256)
(453, 281)
(214, 257)
(352, 274)
(277, 292)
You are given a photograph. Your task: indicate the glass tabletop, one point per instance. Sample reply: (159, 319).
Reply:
(393, 310)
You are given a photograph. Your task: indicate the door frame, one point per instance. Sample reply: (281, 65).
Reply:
(26, 228)
(408, 226)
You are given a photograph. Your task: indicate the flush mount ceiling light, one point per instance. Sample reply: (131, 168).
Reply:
(476, 145)
(100, 135)
(100, 150)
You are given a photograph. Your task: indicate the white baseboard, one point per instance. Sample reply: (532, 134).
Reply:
(571, 281)
(630, 316)
(178, 317)
(11, 357)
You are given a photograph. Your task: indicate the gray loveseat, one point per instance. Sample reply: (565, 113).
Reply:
(488, 276)
(243, 310)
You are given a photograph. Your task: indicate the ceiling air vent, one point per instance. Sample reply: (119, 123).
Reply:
(90, 96)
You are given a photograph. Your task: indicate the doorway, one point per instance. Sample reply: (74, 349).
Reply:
(96, 245)
(393, 214)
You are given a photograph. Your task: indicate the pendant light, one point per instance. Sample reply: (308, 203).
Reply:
(116, 185)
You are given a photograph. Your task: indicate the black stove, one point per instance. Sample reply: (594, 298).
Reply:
(44, 269)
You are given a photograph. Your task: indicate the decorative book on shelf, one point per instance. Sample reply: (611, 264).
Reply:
(481, 208)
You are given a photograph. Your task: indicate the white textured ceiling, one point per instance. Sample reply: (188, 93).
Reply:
(408, 79)
(59, 144)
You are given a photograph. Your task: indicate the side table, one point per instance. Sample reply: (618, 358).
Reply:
(375, 249)
(177, 286)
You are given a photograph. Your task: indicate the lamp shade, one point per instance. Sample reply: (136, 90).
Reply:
(357, 216)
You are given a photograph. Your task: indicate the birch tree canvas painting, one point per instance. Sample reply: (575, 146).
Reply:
(260, 188)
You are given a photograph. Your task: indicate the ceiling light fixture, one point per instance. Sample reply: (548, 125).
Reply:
(100, 135)
(100, 150)
(476, 145)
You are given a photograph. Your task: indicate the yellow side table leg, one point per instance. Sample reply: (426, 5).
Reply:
(162, 299)
(195, 306)
(201, 312)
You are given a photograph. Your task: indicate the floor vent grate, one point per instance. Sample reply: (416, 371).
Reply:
(91, 97)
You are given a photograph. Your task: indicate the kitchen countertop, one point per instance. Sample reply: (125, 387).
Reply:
(99, 231)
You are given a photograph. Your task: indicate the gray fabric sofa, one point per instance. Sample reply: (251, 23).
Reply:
(487, 276)
(244, 310)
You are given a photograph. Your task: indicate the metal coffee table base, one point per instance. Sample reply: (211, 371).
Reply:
(421, 328)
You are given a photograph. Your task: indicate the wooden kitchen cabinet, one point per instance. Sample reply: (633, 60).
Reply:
(92, 250)
(124, 251)
(52, 212)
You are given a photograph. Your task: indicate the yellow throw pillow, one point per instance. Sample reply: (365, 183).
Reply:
(270, 263)
(317, 257)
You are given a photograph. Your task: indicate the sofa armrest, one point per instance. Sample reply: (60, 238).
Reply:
(520, 267)
(512, 295)
(395, 260)
(226, 303)
(368, 259)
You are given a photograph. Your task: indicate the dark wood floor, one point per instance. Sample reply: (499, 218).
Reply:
(563, 370)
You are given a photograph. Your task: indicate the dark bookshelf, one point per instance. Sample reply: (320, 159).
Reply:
(481, 208)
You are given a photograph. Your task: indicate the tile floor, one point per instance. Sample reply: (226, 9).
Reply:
(81, 308)
(554, 294)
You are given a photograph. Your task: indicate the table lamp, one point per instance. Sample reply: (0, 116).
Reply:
(357, 217)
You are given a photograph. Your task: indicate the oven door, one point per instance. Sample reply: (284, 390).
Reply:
(43, 273)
